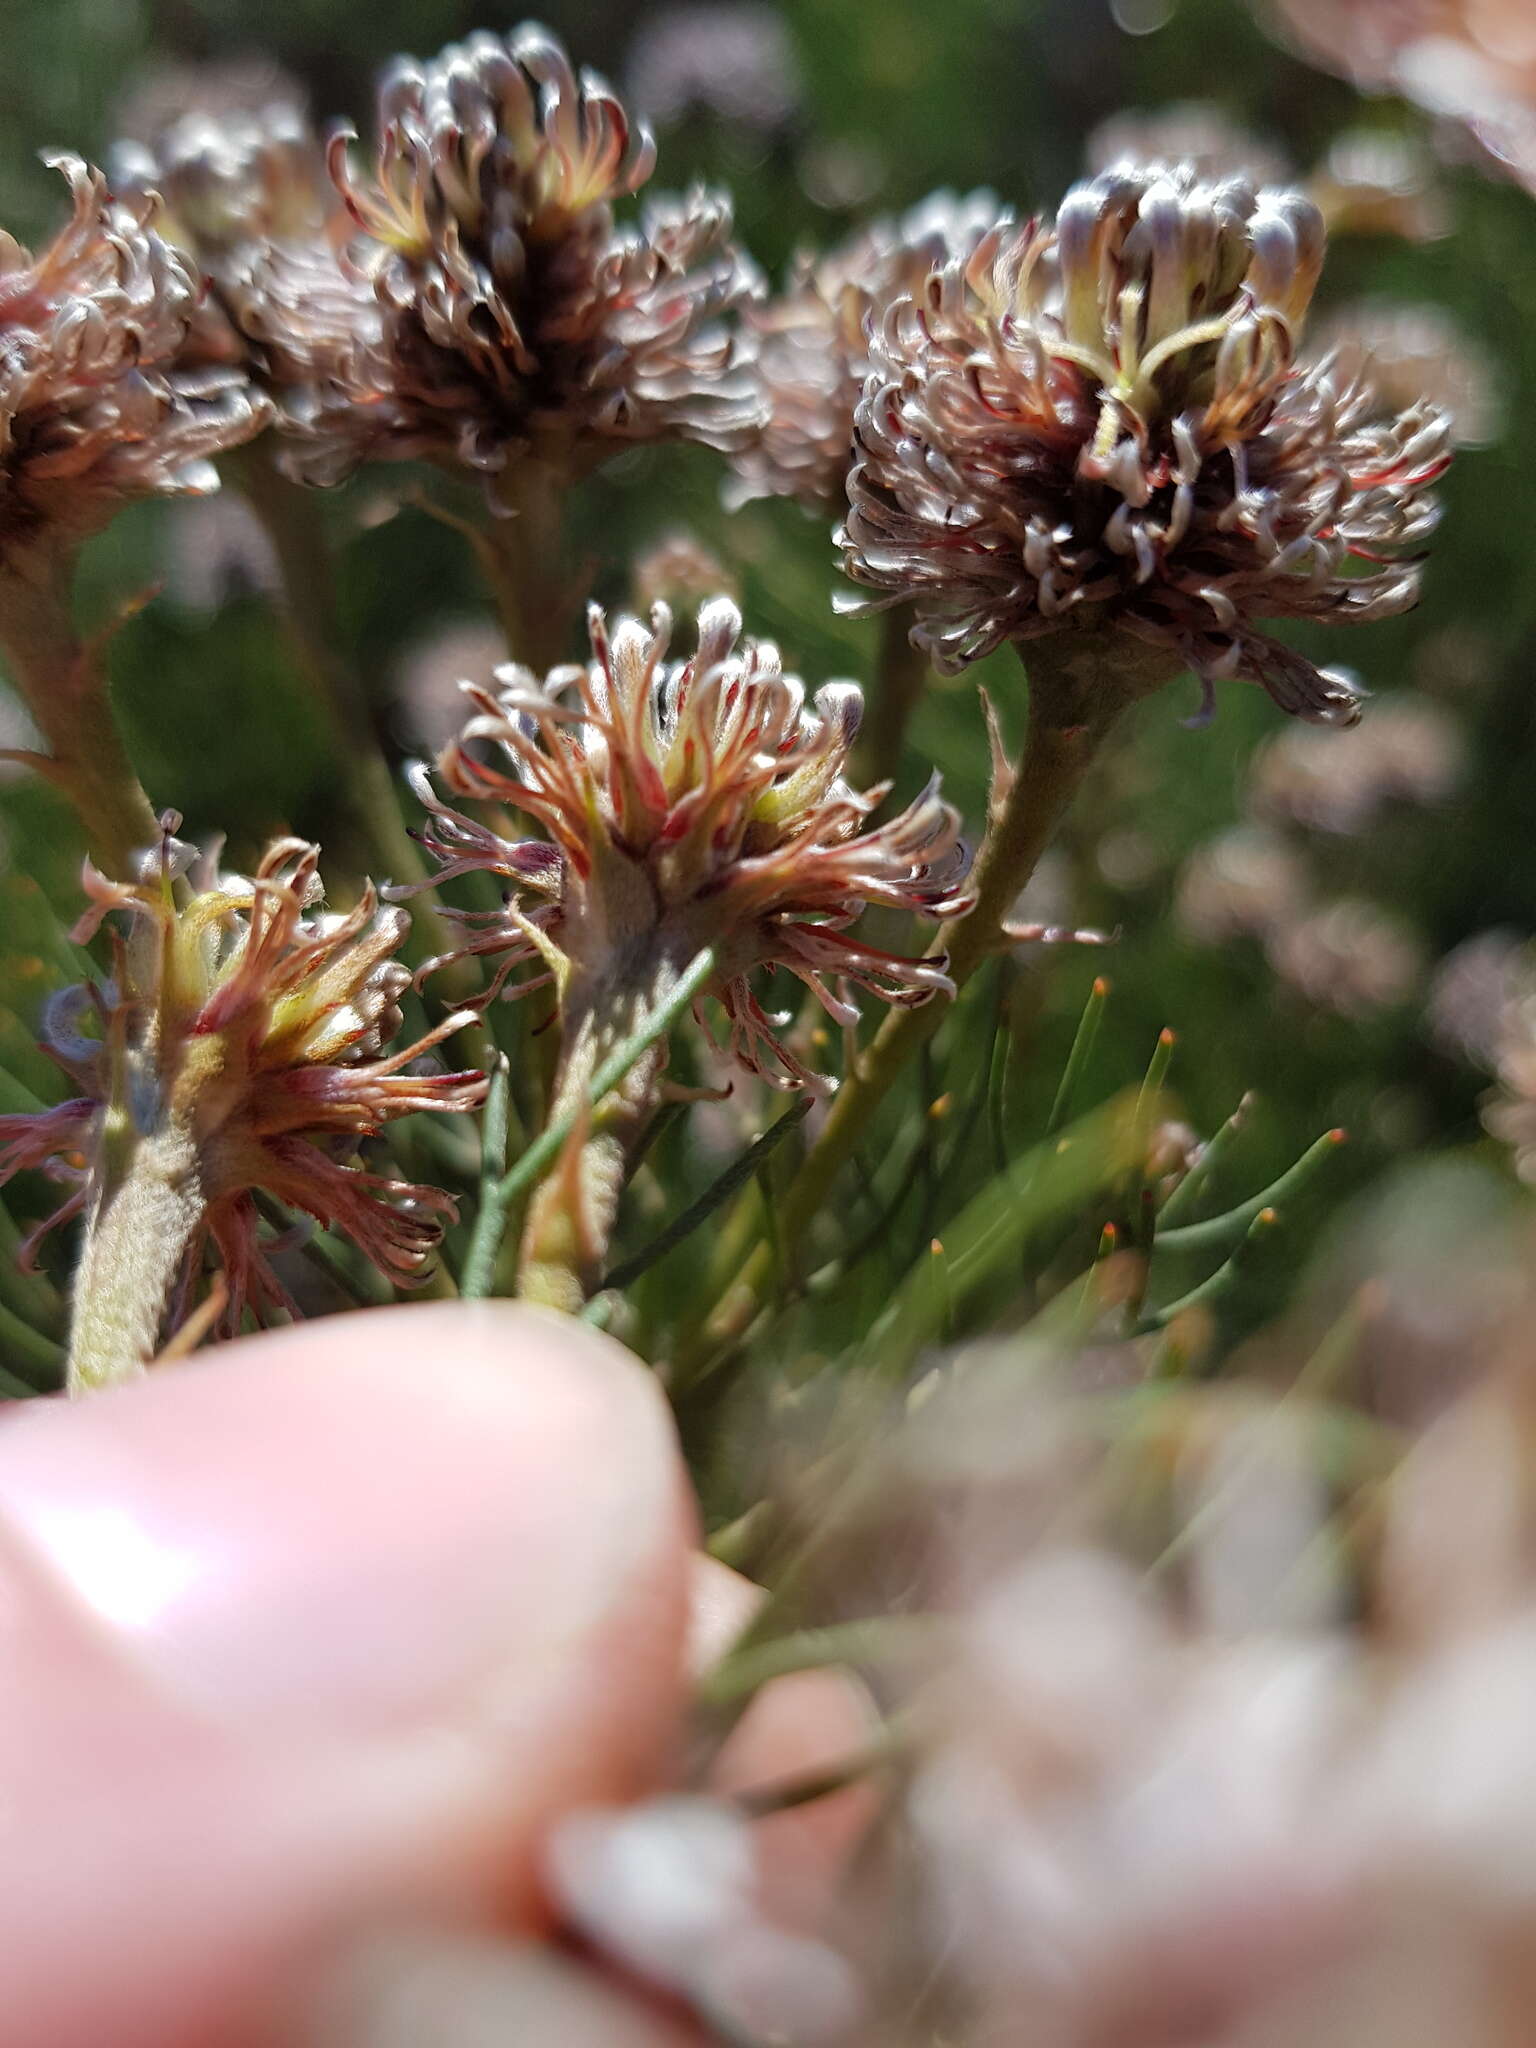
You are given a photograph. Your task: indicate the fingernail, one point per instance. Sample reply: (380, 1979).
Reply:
(352, 1523)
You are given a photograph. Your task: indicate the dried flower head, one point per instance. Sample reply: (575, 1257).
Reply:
(1409, 751)
(95, 406)
(689, 804)
(1510, 1114)
(1100, 421)
(1199, 133)
(1244, 883)
(733, 59)
(247, 196)
(1351, 956)
(515, 314)
(813, 345)
(1471, 994)
(240, 1041)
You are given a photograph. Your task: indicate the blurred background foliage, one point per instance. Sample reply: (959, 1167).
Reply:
(816, 117)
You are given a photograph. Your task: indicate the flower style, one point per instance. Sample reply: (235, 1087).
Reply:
(239, 1047)
(813, 345)
(515, 314)
(1101, 422)
(96, 406)
(689, 804)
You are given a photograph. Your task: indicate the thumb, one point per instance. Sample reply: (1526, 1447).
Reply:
(312, 1637)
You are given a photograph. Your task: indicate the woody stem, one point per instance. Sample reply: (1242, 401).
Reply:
(63, 680)
(901, 675)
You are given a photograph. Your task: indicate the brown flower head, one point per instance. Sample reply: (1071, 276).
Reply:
(243, 1030)
(1100, 420)
(95, 405)
(689, 804)
(515, 313)
(247, 196)
(813, 345)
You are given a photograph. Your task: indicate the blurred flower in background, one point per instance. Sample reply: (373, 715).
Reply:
(1470, 62)
(735, 61)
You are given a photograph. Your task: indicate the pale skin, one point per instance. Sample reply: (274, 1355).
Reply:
(303, 1649)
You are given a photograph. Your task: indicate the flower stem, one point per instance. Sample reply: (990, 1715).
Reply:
(522, 556)
(902, 674)
(141, 1228)
(63, 680)
(1073, 703)
(490, 1223)
(292, 520)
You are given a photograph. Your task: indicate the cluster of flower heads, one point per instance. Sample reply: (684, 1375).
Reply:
(1102, 419)
(97, 405)
(686, 804)
(470, 297)
(251, 1024)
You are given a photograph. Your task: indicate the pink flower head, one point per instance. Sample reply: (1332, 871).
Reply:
(96, 406)
(1101, 421)
(688, 804)
(245, 1018)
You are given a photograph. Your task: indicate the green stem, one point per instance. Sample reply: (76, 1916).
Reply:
(902, 672)
(1073, 703)
(293, 520)
(491, 1222)
(63, 680)
(522, 556)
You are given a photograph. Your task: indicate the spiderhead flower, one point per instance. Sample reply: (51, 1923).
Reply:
(813, 345)
(683, 805)
(237, 1048)
(516, 316)
(1100, 422)
(247, 196)
(95, 408)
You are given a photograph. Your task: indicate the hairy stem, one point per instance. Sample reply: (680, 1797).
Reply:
(1074, 699)
(141, 1229)
(571, 1215)
(63, 680)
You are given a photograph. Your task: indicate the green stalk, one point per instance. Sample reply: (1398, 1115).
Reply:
(1078, 687)
(522, 557)
(63, 681)
(902, 673)
(541, 1155)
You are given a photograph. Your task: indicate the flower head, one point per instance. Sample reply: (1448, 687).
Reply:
(1100, 420)
(247, 196)
(96, 406)
(689, 804)
(813, 345)
(514, 312)
(253, 1024)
